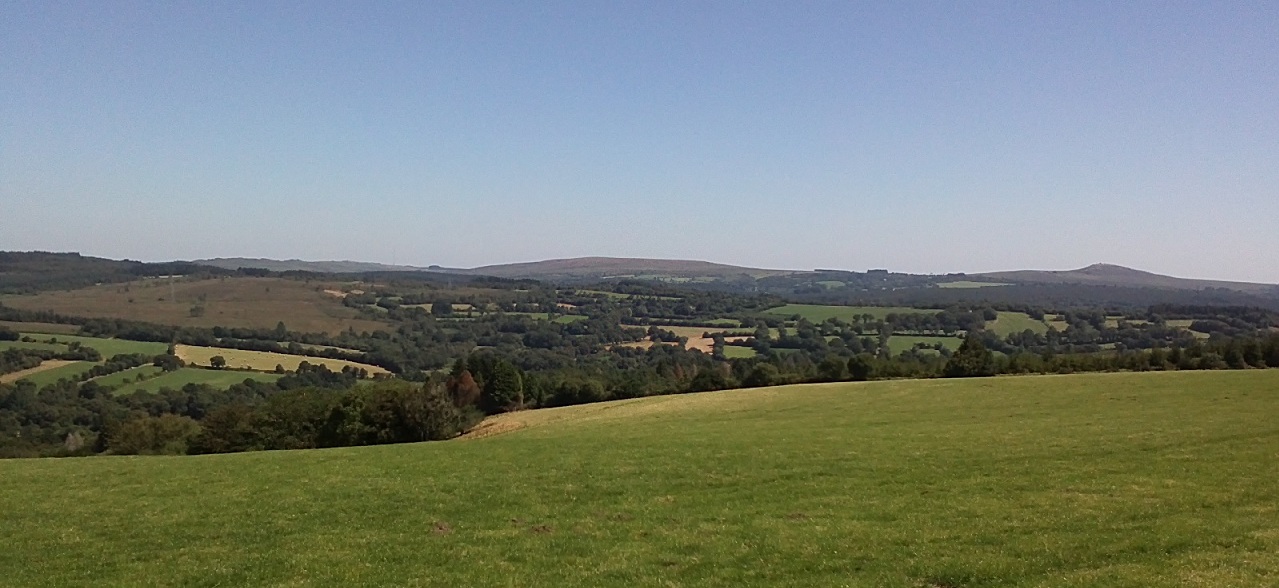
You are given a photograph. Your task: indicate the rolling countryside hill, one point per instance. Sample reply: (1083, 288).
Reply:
(1103, 274)
(1057, 481)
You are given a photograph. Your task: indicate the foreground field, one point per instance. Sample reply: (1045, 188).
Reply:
(1163, 479)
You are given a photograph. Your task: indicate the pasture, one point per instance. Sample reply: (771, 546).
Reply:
(50, 372)
(817, 312)
(128, 376)
(1153, 480)
(900, 343)
(262, 361)
(1008, 323)
(227, 302)
(179, 378)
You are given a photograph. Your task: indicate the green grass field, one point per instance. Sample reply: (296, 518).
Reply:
(737, 352)
(179, 378)
(818, 313)
(1015, 322)
(52, 376)
(1134, 480)
(563, 319)
(107, 347)
(119, 378)
(900, 343)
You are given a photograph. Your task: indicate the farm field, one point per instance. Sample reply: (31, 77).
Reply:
(179, 378)
(899, 343)
(107, 347)
(119, 378)
(228, 302)
(818, 313)
(263, 361)
(736, 352)
(44, 377)
(563, 319)
(1153, 480)
(1008, 323)
(44, 366)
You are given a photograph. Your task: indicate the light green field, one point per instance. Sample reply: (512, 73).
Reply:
(179, 378)
(967, 284)
(71, 370)
(119, 378)
(736, 352)
(900, 343)
(107, 347)
(1153, 480)
(563, 319)
(818, 313)
(263, 361)
(1015, 322)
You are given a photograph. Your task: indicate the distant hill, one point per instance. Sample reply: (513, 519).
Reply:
(298, 265)
(1103, 274)
(605, 267)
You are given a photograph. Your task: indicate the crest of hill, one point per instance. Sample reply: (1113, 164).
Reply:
(600, 267)
(295, 265)
(1104, 274)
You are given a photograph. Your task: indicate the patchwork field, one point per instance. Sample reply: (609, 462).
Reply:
(1152, 480)
(900, 343)
(44, 366)
(179, 378)
(818, 313)
(263, 361)
(228, 302)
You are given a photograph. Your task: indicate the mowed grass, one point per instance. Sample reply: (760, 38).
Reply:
(181, 377)
(818, 312)
(227, 302)
(1151, 480)
(1008, 323)
(263, 361)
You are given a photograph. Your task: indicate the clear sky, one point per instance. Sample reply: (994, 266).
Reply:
(921, 137)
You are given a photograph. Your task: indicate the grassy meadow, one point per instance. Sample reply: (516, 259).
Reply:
(1008, 323)
(1152, 480)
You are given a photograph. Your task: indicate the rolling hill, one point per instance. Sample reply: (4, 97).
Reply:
(1154, 479)
(1103, 274)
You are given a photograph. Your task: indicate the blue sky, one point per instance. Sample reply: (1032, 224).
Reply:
(922, 137)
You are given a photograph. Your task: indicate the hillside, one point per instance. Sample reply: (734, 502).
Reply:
(1102, 274)
(1155, 480)
(601, 267)
(297, 265)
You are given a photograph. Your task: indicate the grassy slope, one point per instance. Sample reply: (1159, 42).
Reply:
(1093, 480)
(1015, 322)
(228, 302)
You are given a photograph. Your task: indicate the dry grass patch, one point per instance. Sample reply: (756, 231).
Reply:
(263, 361)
